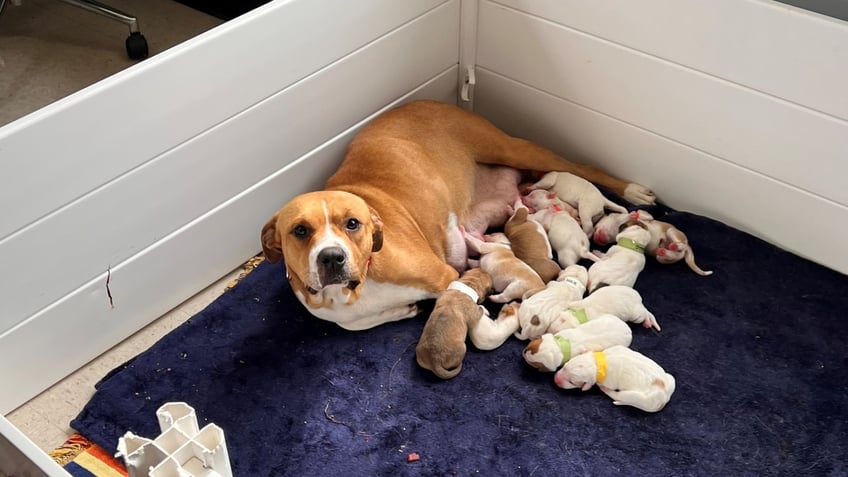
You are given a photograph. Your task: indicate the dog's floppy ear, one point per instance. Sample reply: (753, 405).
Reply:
(377, 235)
(271, 245)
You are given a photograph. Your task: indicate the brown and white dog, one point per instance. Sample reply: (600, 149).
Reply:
(579, 193)
(530, 243)
(511, 277)
(668, 243)
(458, 314)
(373, 243)
(623, 262)
(628, 377)
(539, 308)
(550, 351)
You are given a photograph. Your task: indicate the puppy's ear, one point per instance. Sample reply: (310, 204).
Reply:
(377, 235)
(271, 246)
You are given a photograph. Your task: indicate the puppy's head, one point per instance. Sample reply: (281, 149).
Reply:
(543, 353)
(575, 274)
(636, 232)
(580, 372)
(325, 237)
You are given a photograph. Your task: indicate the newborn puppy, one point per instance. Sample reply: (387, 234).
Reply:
(511, 277)
(550, 351)
(539, 308)
(611, 224)
(617, 300)
(579, 193)
(668, 243)
(530, 243)
(623, 262)
(541, 199)
(628, 377)
(566, 237)
(457, 313)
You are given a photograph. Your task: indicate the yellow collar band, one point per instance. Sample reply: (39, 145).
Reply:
(601, 363)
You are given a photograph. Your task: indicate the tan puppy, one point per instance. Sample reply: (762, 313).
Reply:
(511, 277)
(628, 377)
(668, 243)
(457, 312)
(366, 249)
(530, 244)
(539, 308)
(623, 262)
(550, 351)
(579, 193)
(618, 300)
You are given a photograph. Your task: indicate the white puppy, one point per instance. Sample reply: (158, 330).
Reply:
(623, 262)
(539, 308)
(618, 300)
(550, 351)
(511, 277)
(566, 237)
(628, 377)
(579, 193)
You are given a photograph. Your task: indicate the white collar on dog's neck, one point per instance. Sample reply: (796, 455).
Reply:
(574, 282)
(463, 288)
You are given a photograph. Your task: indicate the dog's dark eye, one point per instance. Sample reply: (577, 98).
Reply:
(353, 224)
(300, 231)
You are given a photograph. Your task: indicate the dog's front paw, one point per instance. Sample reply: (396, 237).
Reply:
(638, 194)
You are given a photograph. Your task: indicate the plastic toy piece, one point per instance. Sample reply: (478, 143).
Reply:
(181, 450)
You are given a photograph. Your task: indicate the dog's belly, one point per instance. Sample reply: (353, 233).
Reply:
(378, 303)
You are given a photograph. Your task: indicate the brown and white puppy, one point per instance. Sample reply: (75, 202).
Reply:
(530, 243)
(539, 308)
(621, 301)
(368, 247)
(511, 277)
(623, 262)
(668, 243)
(550, 351)
(457, 313)
(579, 193)
(628, 377)
(611, 224)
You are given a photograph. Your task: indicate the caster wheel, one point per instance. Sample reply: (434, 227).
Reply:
(136, 46)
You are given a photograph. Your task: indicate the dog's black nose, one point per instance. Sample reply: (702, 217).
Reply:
(332, 257)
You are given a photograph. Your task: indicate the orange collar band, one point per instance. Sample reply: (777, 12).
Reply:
(601, 362)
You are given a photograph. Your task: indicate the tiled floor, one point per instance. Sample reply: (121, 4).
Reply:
(45, 418)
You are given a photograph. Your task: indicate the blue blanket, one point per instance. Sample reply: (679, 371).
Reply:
(757, 349)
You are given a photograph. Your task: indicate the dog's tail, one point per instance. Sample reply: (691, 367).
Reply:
(689, 256)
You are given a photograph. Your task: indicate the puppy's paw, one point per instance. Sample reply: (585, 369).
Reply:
(638, 194)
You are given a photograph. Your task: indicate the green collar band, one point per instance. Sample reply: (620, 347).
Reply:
(629, 243)
(580, 314)
(565, 347)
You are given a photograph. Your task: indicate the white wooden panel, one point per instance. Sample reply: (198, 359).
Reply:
(76, 145)
(128, 214)
(683, 177)
(74, 330)
(769, 47)
(743, 126)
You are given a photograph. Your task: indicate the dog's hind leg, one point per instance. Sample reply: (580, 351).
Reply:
(487, 334)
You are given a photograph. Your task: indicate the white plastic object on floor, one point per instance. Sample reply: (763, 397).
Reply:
(181, 450)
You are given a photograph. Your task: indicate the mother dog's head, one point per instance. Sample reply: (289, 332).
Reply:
(325, 237)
